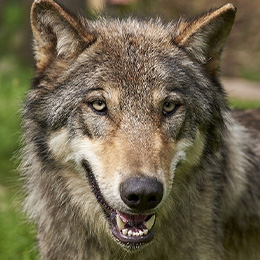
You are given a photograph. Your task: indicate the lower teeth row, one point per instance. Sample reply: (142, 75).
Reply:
(130, 233)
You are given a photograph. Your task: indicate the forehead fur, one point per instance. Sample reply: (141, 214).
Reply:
(134, 50)
(153, 29)
(133, 41)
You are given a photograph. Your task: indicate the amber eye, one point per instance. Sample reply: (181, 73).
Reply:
(170, 107)
(99, 106)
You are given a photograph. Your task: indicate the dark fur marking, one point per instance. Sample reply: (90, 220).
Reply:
(36, 81)
(94, 186)
(42, 147)
(83, 126)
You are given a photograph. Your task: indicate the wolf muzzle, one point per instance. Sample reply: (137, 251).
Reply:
(140, 194)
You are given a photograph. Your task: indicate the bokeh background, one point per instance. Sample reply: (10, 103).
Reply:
(240, 69)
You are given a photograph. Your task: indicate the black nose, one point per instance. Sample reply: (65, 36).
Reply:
(141, 193)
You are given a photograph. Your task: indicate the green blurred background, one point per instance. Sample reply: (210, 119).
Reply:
(241, 60)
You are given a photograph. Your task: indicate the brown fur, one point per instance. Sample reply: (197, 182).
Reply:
(118, 102)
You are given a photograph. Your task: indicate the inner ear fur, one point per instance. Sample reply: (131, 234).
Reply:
(205, 37)
(57, 33)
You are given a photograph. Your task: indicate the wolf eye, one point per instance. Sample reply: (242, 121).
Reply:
(99, 106)
(170, 107)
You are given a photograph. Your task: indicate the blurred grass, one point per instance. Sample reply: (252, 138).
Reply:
(244, 104)
(251, 75)
(16, 238)
(14, 81)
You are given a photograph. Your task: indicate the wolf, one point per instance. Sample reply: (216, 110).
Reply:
(130, 148)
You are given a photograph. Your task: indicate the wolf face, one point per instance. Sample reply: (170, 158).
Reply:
(121, 112)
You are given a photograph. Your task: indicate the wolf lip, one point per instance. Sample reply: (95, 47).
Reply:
(129, 228)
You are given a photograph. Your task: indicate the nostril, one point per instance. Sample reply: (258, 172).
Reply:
(133, 198)
(152, 199)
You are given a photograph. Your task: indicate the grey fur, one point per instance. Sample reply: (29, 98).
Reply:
(207, 161)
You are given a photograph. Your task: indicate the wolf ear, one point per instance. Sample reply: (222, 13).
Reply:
(57, 33)
(205, 37)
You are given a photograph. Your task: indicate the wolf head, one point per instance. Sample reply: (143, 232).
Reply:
(127, 108)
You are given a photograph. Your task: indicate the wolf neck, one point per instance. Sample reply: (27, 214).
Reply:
(236, 162)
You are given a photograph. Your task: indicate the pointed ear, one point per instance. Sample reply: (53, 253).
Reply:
(205, 37)
(57, 33)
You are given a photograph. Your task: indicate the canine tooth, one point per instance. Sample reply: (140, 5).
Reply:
(141, 233)
(130, 232)
(150, 222)
(119, 222)
(145, 231)
(125, 231)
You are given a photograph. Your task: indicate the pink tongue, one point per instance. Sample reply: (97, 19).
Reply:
(132, 218)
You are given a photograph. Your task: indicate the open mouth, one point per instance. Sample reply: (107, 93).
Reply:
(129, 229)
